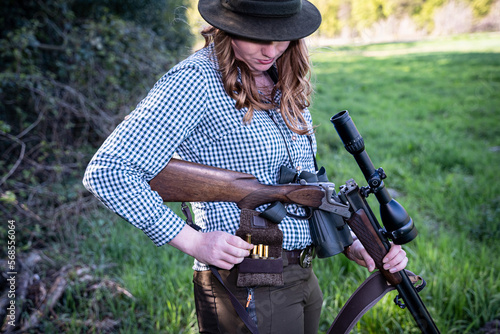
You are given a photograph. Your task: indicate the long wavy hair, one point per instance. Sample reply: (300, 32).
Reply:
(293, 80)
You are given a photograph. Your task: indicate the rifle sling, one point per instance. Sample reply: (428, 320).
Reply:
(240, 310)
(242, 313)
(364, 298)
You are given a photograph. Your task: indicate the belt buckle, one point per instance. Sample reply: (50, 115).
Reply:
(306, 257)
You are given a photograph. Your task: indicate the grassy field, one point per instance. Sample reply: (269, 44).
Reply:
(430, 115)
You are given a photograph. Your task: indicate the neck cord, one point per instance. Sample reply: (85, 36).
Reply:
(283, 136)
(273, 73)
(271, 115)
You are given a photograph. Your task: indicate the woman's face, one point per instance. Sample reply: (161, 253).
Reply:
(258, 55)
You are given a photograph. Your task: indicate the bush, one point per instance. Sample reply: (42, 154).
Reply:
(70, 71)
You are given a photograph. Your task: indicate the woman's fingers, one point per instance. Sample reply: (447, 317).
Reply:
(396, 259)
(223, 250)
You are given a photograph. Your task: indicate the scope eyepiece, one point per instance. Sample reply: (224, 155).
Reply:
(348, 133)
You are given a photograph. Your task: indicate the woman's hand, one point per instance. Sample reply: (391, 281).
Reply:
(222, 249)
(394, 261)
(217, 248)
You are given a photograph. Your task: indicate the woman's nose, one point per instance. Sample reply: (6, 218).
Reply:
(270, 50)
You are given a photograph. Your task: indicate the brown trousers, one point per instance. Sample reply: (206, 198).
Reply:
(294, 308)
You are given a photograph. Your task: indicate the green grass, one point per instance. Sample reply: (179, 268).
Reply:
(432, 120)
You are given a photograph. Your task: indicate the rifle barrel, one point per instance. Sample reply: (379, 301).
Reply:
(416, 306)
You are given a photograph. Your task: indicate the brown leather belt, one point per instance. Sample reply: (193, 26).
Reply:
(302, 257)
(293, 256)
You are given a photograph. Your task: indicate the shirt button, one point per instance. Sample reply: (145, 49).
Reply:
(298, 168)
(294, 138)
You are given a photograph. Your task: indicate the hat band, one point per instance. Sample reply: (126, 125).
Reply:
(284, 8)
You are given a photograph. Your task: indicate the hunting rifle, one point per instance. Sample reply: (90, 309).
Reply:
(183, 181)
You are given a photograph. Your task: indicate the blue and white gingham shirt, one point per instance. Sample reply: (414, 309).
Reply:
(188, 113)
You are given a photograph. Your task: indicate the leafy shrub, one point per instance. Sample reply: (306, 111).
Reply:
(69, 72)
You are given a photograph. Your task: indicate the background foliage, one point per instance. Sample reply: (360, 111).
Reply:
(69, 72)
(417, 17)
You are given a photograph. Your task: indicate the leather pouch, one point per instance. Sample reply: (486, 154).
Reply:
(258, 271)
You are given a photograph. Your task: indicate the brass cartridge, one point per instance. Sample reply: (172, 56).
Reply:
(266, 252)
(255, 252)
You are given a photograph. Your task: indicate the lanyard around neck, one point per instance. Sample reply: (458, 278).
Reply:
(273, 73)
(273, 118)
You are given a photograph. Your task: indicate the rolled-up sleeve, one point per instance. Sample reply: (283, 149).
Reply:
(140, 147)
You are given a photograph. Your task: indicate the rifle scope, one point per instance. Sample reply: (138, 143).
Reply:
(395, 219)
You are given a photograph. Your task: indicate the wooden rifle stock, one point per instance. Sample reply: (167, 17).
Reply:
(362, 227)
(184, 181)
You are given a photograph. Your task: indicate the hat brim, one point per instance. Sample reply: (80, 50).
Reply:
(289, 28)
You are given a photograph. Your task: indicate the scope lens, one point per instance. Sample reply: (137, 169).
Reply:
(348, 133)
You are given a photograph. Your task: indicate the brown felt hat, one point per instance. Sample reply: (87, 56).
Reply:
(265, 20)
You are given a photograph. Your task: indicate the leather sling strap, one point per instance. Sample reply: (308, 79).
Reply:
(240, 310)
(364, 298)
(242, 313)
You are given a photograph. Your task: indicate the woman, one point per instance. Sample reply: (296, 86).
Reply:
(240, 103)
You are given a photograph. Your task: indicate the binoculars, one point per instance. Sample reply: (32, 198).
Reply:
(329, 231)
